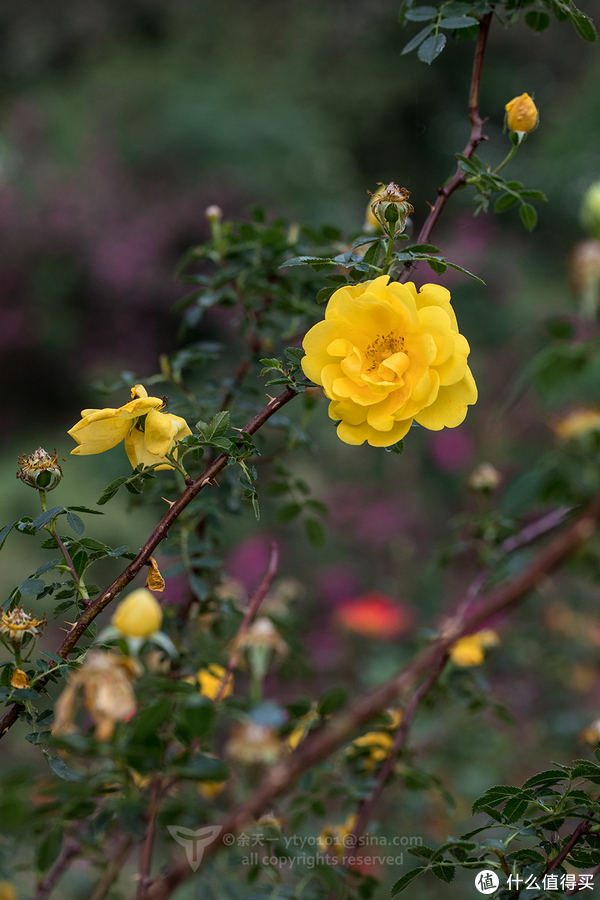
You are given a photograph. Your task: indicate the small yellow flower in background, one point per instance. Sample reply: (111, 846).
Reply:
(302, 728)
(379, 745)
(395, 717)
(579, 421)
(17, 623)
(469, 650)
(106, 680)
(522, 114)
(387, 355)
(210, 680)
(332, 837)
(154, 580)
(146, 442)
(139, 615)
(591, 735)
(19, 679)
(210, 789)
(7, 891)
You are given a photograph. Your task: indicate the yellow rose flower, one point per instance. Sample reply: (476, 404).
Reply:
(210, 680)
(469, 651)
(386, 355)
(139, 615)
(522, 114)
(147, 443)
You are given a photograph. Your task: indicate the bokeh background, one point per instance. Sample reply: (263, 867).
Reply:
(120, 123)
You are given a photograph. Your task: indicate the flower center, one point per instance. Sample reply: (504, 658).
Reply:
(384, 346)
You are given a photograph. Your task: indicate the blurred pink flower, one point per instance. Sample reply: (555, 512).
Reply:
(452, 449)
(248, 560)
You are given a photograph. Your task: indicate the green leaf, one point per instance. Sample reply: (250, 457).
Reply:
(5, 532)
(85, 509)
(505, 202)
(406, 879)
(332, 700)
(418, 39)
(289, 512)
(397, 448)
(458, 22)
(306, 260)
(421, 248)
(585, 27)
(109, 492)
(537, 20)
(149, 720)
(431, 48)
(315, 532)
(534, 195)
(46, 517)
(421, 13)
(514, 809)
(59, 768)
(497, 794)
(465, 272)
(529, 216)
(445, 872)
(49, 849)
(203, 768)
(31, 587)
(549, 776)
(76, 523)
(197, 716)
(47, 566)
(439, 266)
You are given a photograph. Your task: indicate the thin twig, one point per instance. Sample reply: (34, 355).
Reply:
(148, 842)
(475, 138)
(341, 728)
(365, 808)
(114, 869)
(249, 614)
(70, 849)
(159, 534)
(67, 557)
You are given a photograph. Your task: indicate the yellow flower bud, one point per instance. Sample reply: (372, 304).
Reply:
(139, 615)
(470, 650)
(522, 114)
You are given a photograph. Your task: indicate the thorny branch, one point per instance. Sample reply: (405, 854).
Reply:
(249, 614)
(340, 729)
(475, 138)
(159, 534)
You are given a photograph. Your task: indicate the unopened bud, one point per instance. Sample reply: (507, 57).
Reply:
(40, 470)
(485, 478)
(590, 210)
(213, 213)
(522, 114)
(391, 208)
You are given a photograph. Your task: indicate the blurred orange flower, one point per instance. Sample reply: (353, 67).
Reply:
(375, 615)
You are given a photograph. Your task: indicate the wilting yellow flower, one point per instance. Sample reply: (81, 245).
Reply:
(7, 891)
(386, 355)
(148, 434)
(210, 680)
(469, 650)
(154, 580)
(251, 743)
(335, 836)
(40, 470)
(522, 114)
(108, 695)
(262, 633)
(379, 745)
(579, 421)
(19, 679)
(17, 623)
(139, 615)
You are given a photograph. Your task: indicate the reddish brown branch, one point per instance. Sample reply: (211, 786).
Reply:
(159, 534)
(71, 848)
(282, 776)
(249, 614)
(475, 138)
(148, 842)
(558, 860)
